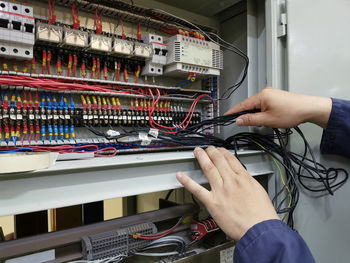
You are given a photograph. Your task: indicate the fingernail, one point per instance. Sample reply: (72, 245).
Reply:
(197, 149)
(239, 122)
(178, 175)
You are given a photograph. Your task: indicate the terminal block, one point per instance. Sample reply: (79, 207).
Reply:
(116, 242)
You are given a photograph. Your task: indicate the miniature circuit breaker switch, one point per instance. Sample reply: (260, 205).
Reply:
(154, 66)
(16, 30)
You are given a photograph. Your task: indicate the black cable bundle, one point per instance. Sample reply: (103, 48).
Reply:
(301, 171)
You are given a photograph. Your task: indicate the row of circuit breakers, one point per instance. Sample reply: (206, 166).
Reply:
(179, 54)
(44, 118)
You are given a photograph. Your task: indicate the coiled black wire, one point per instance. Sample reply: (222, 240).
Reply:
(301, 171)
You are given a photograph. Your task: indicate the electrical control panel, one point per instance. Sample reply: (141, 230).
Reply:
(81, 87)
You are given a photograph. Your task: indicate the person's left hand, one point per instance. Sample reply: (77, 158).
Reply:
(236, 200)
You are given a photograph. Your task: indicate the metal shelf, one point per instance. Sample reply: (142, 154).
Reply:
(82, 181)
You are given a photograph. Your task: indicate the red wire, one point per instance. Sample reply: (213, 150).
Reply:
(187, 118)
(161, 234)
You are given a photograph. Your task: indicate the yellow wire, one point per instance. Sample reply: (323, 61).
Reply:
(279, 170)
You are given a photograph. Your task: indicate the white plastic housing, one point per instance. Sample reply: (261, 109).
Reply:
(48, 33)
(142, 50)
(100, 43)
(76, 38)
(193, 55)
(122, 46)
(152, 69)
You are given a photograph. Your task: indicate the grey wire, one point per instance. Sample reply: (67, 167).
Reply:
(163, 242)
(114, 259)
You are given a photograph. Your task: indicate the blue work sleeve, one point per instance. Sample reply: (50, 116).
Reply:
(272, 241)
(335, 138)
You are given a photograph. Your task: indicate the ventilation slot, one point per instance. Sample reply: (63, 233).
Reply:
(217, 59)
(177, 52)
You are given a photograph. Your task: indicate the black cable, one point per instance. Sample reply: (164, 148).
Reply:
(301, 171)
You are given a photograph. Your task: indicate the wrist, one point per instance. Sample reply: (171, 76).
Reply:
(319, 112)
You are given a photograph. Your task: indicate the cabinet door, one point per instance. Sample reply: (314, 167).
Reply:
(318, 63)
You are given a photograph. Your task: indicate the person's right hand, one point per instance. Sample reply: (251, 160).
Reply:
(282, 109)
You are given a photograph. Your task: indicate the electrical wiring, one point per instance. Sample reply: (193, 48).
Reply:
(99, 151)
(187, 119)
(168, 241)
(158, 235)
(300, 171)
(230, 90)
(282, 179)
(115, 259)
(176, 243)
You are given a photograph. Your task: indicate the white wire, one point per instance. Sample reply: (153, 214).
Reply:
(114, 259)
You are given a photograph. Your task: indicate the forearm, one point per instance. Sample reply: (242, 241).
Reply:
(318, 110)
(272, 241)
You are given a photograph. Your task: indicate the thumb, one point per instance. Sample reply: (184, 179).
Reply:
(252, 119)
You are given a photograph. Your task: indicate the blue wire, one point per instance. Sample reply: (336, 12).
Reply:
(25, 149)
(183, 82)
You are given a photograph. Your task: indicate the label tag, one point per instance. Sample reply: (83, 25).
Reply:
(145, 140)
(113, 133)
(153, 132)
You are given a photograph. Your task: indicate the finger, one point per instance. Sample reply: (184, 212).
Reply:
(253, 119)
(209, 169)
(197, 190)
(220, 162)
(234, 163)
(251, 103)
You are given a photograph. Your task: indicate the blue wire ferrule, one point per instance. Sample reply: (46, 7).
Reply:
(43, 133)
(61, 133)
(14, 139)
(43, 102)
(49, 103)
(49, 129)
(66, 131)
(72, 107)
(61, 103)
(72, 132)
(55, 131)
(55, 104)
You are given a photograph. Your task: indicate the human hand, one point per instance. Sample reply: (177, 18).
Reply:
(282, 109)
(236, 200)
